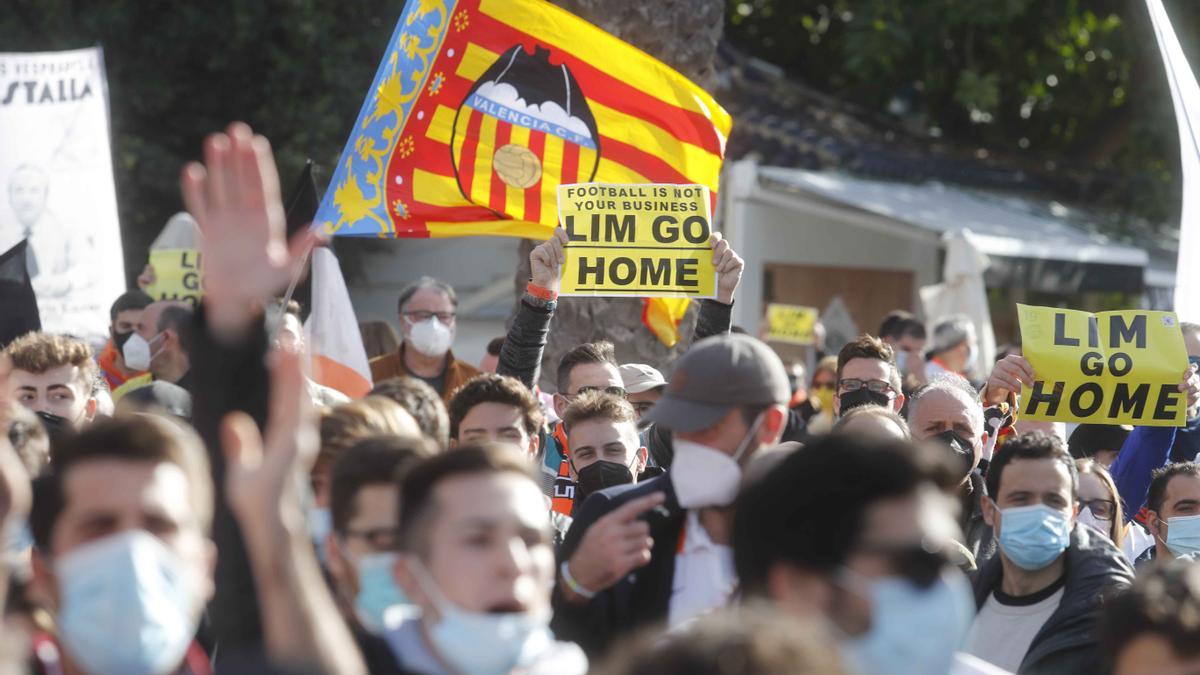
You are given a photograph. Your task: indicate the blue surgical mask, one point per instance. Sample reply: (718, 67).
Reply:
(913, 629)
(1183, 535)
(1034, 536)
(378, 594)
(475, 643)
(320, 524)
(126, 605)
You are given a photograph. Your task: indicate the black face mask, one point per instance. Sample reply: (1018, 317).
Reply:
(58, 428)
(859, 397)
(602, 474)
(119, 340)
(960, 448)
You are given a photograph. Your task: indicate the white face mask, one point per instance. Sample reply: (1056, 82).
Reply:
(137, 352)
(703, 476)
(476, 643)
(1101, 525)
(430, 337)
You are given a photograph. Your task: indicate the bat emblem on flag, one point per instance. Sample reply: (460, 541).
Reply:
(525, 125)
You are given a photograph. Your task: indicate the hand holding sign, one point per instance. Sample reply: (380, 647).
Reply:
(1009, 375)
(546, 261)
(729, 267)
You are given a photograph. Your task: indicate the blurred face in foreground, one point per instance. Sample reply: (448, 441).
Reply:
(488, 547)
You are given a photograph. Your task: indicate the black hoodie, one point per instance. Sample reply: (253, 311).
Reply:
(1066, 643)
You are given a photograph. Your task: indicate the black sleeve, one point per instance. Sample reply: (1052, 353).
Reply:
(521, 354)
(796, 428)
(229, 378)
(715, 319)
(588, 624)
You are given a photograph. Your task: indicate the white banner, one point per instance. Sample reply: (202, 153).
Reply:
(1185, 94)
(57, 177)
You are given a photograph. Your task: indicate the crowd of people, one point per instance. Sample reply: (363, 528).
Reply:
(188, 501)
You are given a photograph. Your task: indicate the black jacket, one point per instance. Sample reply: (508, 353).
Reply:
(644, 596)
(1066, 643)
(977, 534)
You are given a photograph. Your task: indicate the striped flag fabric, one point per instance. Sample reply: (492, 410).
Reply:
(335, 345)
(481, 108)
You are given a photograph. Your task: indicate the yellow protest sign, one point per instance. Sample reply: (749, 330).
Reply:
(176, 275)
(1105, 368)
(791, 323)
(650, 241)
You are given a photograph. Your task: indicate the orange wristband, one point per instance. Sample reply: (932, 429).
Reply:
(539, 292)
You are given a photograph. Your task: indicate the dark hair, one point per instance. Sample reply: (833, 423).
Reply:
(1163, 601)
(756, 639)
(1088, 439)
(1030, 445)
(868, 347)
(422, 402)
(492, 388)
(420, 284)
(179, 319)
(588, 352)
(128, 300)
(911, 328)
(808, 510)
(373, 461)
(132, 438)
(599, 405)
(890, 327)
(494, 345)
(419, 482)
(1162, 477)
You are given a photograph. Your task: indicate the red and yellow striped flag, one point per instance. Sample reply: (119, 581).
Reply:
(481, 108)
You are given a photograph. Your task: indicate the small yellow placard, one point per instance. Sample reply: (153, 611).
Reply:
(650, 241)
(1104, 368)
(176, 275)
(791, 323)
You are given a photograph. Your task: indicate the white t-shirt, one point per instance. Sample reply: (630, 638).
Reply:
(1002, 633)
(704, 577)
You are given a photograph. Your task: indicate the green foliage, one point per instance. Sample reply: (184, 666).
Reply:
(1068, 83)
(296, 70)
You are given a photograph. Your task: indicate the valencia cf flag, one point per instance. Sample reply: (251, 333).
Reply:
(481, 108)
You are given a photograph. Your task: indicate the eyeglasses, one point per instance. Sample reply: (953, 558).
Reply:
(379, 538)
(921, 563)
(418, 316)
(876, 386)
(1104, 509)
(619, 392)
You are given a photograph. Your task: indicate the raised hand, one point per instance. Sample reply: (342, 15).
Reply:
(546, 260)
(729, 268)
(235, 198)
(1008, 375)
(613, 546)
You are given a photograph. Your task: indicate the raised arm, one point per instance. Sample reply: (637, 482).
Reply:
(521, 355)
(234, 197)
(302, 625)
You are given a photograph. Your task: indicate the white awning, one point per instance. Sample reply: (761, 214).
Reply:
(1002, 225)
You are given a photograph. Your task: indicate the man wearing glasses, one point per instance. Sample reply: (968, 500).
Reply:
(1038, 599)
(427, 321)
(867, 374)
(855, 534)
(361, 549)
